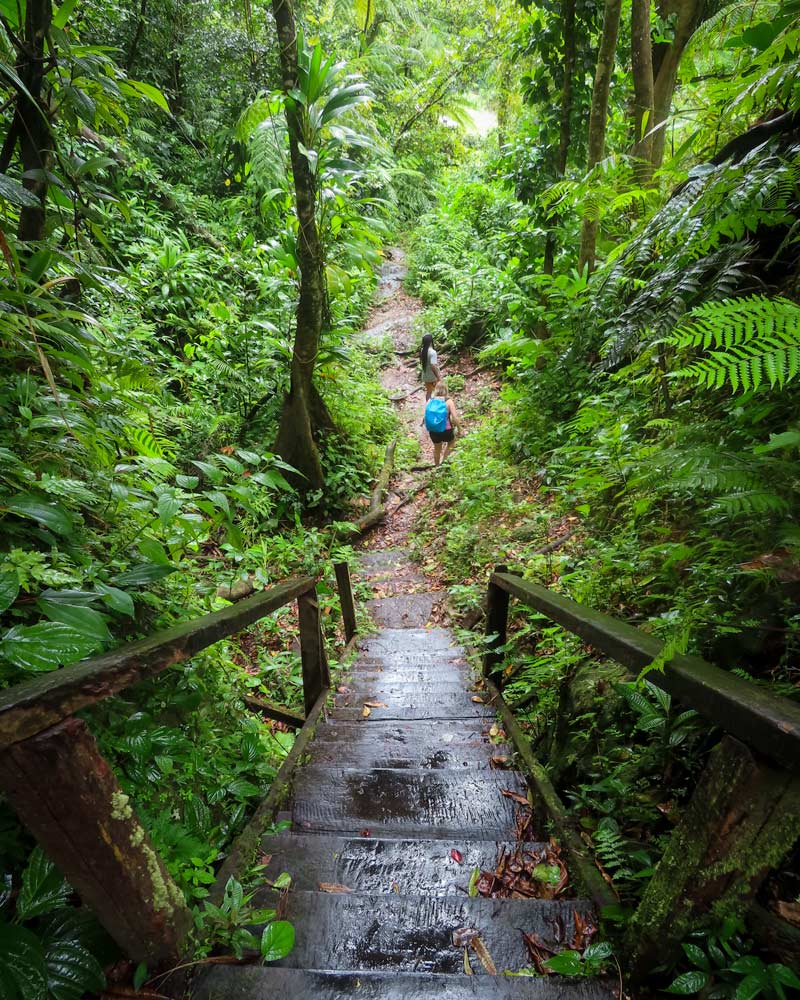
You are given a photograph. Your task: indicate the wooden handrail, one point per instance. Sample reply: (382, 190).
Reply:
(43, 701)
(765, 721)
(53, 774)
(744, 814)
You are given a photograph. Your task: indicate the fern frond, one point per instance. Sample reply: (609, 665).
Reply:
(755, 340)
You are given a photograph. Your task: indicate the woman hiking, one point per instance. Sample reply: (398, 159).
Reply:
(429, 361)
(441, 419)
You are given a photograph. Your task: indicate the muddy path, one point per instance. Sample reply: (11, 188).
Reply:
(393, 315)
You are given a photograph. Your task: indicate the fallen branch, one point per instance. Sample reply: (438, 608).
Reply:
(399, 399)
(276, 712)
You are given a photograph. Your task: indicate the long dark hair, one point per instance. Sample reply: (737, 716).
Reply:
(427, 344)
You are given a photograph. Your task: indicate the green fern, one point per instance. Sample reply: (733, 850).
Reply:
(755, 340)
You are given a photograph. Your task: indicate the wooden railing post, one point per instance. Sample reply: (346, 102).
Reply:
(742, 819)
(496, 623)
(65, 793)
(346, 599)
(316, 676)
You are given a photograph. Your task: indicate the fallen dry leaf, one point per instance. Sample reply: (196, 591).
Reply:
(477, 699)
(485, 958)
(375, 704)
(457, 856)
(789, 911)
(522, 799)
(366, 712)
(333, 887)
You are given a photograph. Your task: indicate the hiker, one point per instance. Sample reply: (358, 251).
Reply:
(441, 419)
(430, 365)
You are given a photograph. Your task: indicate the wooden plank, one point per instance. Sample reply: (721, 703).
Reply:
(581, 859)
(742, 820)
(766, 721)
(345, 588)
(45, 700)
(496, 623)
(276, 712)
(312, 649)
(65, 793)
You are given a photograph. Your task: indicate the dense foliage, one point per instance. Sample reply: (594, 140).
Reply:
(647, 423)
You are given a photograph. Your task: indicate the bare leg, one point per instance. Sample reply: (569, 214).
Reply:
(437, 453)
(448, 449)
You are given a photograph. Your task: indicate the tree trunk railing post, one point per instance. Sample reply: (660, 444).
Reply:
(345, 588)
(496, 624)
(316, 675)
(66, 794)
(742, 819)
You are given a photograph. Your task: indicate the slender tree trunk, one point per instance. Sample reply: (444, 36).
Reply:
(141, 21)
(598, 118)
(32, 117)
(643, 88)
(666, 61)
(565, 129)
(303, 409)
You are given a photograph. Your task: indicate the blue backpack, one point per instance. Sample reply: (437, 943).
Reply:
(436, 414)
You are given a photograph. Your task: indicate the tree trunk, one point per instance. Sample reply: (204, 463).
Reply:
(564, 136)
(304, 412)
(598, 119)
(666, 61)
(32, 118)
(643, 88)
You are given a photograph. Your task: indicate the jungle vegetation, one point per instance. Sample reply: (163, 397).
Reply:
(193, 203)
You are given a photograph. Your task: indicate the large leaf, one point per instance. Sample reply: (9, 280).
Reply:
(43, 887)
(51, 515)
(72, 969)
(22, 968)
(9, 588)
(277, 940)
(18, 195)
(116, 599)
(63, 14)
(45, 646)
(87, 621)
(143, 573)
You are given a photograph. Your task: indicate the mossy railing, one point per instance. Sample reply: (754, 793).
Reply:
(65, 793)
(744, 815)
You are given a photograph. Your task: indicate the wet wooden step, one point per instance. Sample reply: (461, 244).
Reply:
(415, 933)
(236, 982)
(405, 744)
(378, 866)
(408, 803)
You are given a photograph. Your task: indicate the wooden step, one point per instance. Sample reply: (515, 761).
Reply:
(236, 982)
(407, 744)
(378, 866)
(356, 932)
(388, 802)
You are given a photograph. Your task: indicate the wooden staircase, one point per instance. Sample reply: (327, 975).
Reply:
(396, 808)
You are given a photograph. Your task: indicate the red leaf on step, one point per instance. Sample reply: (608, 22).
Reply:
(457, 856)
(365, 833)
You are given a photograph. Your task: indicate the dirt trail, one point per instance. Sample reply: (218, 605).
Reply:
(394, 314)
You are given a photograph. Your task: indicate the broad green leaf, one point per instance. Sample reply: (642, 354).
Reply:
(116, 599)
(9, 588)
(72, 971)
(43, 887)
(750, 987)
(150, 92)
(45, 646)
(187, 482)
(51, 515)
(143, 573)
(154, 551)
(22, 963)
(277, 940)
(168, 507)
(140, 976)
(15, 193)
(688, 983)
(63, 14)
(87, 621)
(283, 881)
(567, 963)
